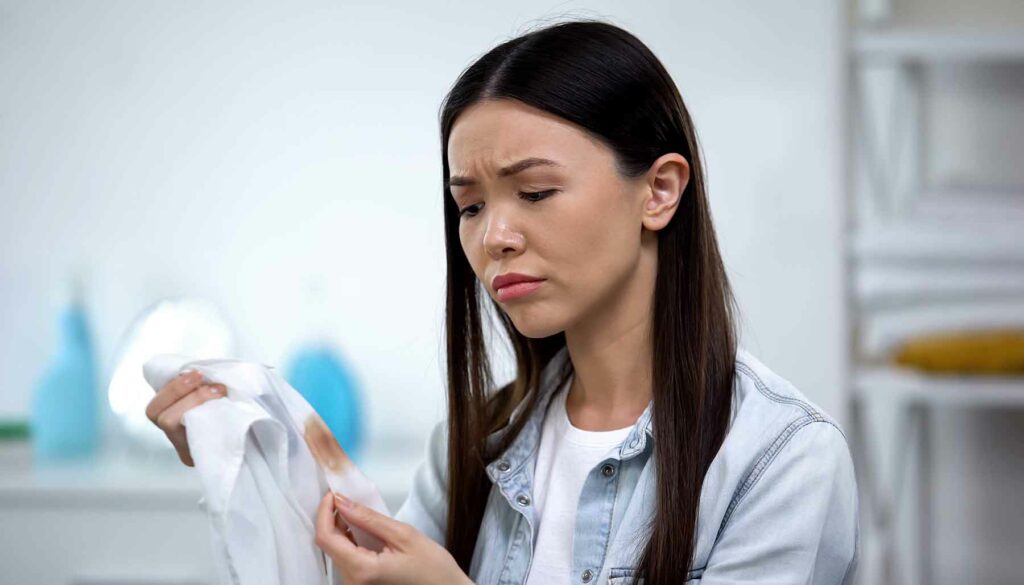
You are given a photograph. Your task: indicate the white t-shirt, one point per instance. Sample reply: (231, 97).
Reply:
(565, 456)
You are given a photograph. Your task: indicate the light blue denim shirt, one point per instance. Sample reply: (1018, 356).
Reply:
(778, 505)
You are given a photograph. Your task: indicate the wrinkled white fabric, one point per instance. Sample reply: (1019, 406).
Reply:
(261, 484)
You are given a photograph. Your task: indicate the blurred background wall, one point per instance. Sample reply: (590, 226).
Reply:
(231, 150)
(235, 150)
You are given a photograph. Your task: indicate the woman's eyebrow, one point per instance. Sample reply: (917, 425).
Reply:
(516, 167)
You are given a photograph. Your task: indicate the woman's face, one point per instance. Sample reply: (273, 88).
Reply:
(573, 221)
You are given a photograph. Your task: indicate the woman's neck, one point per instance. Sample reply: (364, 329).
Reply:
(611, 384)
(612, 360)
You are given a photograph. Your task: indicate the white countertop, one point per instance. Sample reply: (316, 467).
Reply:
(133, 480)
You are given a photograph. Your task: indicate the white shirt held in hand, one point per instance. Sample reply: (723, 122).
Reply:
(265, 459)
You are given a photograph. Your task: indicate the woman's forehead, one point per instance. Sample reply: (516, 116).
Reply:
(490, 136)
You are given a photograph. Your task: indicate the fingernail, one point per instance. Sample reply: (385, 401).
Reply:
(213, 389)
(344, 501)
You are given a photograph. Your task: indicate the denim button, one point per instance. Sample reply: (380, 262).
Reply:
(607, 470)
(587, 576)
(523, 499)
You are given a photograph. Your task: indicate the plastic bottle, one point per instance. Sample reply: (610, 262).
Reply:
(64, 416)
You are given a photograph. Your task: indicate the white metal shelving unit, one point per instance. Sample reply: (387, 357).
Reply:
(909, 243)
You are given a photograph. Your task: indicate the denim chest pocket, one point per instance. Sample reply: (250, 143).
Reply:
(624, 576)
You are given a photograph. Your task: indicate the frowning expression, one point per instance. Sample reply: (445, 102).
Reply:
(540, 196)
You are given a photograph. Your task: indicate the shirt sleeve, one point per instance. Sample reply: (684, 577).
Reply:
(426, 507)
(796, 520)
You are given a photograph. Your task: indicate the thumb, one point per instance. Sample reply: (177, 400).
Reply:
(331, 539)
(397, 535)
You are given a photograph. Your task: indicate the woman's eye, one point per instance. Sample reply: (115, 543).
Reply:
(465, 211)
(546, 194)
(532, 197)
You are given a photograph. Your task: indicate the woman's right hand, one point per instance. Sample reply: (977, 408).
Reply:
(170, 403)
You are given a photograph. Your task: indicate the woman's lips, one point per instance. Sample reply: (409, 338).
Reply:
(518, 290)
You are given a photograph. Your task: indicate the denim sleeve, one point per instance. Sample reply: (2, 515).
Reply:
(795, 518)
(426, 507)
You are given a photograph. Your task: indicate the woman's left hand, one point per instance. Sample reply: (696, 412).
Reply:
(408, 555)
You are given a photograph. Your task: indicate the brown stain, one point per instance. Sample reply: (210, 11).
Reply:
(325, 448)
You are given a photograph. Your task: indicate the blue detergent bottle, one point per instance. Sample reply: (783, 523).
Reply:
(65, 416)
(319, 371)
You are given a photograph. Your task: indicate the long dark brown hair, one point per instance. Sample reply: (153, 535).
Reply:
(606, 81)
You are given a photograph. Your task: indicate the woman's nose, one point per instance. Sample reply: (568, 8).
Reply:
(500, 238)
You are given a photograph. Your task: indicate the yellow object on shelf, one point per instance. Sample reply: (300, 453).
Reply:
(989, 351)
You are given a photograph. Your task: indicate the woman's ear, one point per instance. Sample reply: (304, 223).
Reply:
(666, 181)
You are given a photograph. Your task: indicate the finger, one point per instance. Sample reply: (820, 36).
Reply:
(171, 416)
(173, 391)
(344, 528)
(330, 537)
(349, 535)
(391, 531)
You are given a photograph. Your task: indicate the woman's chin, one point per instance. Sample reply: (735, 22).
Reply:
(534, 324)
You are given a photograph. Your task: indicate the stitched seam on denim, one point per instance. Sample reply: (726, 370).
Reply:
(753, 481)
(504, 578)
(628, 571)
(514, 470)
(631, 452)
(505, 493)
(611, 516)
(762, 465)
(536, 444)
(763, 388)
(619, 572)
(641, 431)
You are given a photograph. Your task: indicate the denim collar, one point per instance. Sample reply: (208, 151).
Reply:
(526, 443)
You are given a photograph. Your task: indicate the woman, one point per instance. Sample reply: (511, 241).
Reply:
(637, 443)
